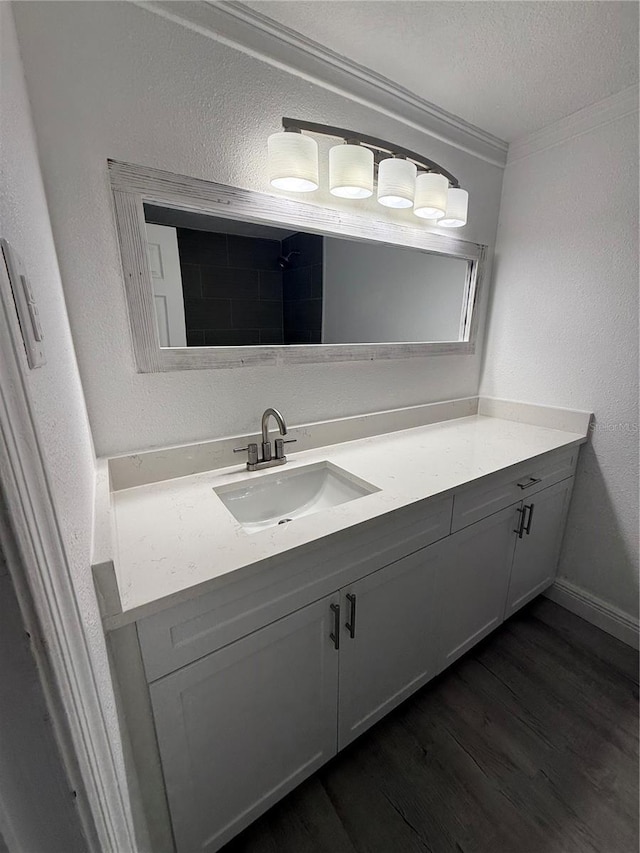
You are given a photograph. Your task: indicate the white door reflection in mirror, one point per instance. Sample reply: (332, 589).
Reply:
(164, 264)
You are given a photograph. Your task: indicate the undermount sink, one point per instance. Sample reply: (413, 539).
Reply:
(283, 497)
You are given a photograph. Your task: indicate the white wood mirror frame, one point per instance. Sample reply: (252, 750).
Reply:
(133, 186)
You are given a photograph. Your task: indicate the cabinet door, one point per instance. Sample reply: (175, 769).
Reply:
(536, 557)
(473, 582)
(241, 727)
(391, 652)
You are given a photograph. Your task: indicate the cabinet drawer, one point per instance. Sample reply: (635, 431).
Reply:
(507, 487)
(282, 584)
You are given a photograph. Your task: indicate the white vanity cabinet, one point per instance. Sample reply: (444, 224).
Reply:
(543, 518)
(242, 726)
(254, 685)
(495, 566)
(272, 707)
(388, 642)
(473, 582)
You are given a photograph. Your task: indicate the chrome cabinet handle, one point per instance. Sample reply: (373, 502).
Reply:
(351, 624)
(335, 635)
(527, 528)
(520, 528)
(530, 482)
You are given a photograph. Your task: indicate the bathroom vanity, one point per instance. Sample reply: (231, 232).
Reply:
(248, 652)
(259, 620)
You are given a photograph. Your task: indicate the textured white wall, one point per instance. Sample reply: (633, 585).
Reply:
(54, 390)
(381, 293)
(564, 331)
(113, 80)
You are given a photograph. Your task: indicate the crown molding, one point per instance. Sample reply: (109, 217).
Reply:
(237, 26)
(590, 118)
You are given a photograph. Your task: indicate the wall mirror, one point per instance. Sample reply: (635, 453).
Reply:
(221, 277)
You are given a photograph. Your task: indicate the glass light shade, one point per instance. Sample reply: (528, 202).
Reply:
(457, 206)
(293, 162)
(396, 182)
(351, 171)
(431, 195)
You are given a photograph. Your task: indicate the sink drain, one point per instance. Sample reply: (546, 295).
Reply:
(284, 520)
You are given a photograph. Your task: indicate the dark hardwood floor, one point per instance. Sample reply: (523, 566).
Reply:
(529, 744)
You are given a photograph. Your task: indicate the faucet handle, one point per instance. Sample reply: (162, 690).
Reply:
(252, 450)
(280, 442)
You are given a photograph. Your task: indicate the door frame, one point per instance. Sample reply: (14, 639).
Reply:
(37, 561)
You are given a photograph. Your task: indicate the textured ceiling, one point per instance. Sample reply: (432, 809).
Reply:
(508, 67)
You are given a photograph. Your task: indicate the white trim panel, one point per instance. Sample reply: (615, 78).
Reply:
(600, 613)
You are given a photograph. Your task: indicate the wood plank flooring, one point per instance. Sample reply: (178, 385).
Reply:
(529, 744)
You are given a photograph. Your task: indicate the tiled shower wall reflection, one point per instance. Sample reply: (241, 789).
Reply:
(232, 289)
(236, 292)
(302, 289)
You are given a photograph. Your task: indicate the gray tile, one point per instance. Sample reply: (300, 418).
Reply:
(248, 314)
(224, 282)
(307, 246)
(191, 288)
(254, 253)
(297, 284)
(297, 337)
(271, 336)
(306, 314)
(195, 338)
(271, 285)
(316, 281)
(208, 313)
(202, 247)
(310, 246)
(232, 337)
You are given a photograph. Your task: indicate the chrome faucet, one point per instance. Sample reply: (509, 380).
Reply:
(254, 463)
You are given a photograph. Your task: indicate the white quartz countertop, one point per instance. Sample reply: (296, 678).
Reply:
(173, 535)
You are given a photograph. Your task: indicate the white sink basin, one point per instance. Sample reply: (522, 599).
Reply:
(282, 497)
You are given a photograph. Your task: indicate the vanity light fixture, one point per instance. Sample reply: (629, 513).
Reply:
(404, 179)
(351, 171)
(293, 162)
(456, 213)
(396, 182)
(431, 195)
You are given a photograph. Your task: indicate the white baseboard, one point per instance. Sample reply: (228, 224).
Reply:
(593, 609)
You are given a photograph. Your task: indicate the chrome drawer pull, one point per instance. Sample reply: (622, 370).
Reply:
(530, 482)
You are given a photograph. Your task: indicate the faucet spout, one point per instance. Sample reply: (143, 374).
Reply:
(268, 413)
